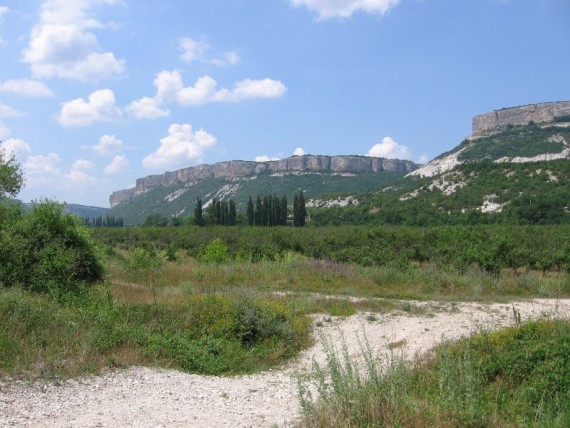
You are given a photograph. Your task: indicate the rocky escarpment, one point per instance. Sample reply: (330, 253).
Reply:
(522, 115)
(238, 169)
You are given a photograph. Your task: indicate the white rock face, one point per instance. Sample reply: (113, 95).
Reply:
(438, 166)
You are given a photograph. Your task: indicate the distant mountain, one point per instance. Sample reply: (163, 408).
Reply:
(82, 211)
(514, 168)
(175, 193)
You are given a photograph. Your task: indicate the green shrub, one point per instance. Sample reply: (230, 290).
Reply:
(215, 252)
(46, 250)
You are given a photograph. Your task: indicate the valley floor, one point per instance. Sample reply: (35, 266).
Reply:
(149, 397)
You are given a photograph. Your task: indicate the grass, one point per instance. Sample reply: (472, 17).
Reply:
(516, 377)
(297, 274)
(205, 333)
(221, 318)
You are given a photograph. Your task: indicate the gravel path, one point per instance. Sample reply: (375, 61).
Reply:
(148, 397)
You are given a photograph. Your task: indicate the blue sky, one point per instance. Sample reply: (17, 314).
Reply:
(96, 93)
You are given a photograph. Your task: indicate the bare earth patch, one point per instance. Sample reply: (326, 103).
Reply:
(149, 397)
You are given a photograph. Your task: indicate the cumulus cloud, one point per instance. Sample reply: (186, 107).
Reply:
(147, 108)
(118, 163)
(63, 45)
(7, 111)
(26, 87)
(299, 151)
(265, 158)
(423, 159)
(388, 148)
(181, 146)
(225, 59)
(99, 107)
(41, 164)
(3, 10)
(4, 132)
(16, 147)
(108, 144)
(79, 174)
(170, 89)
(193, 50)
(327, 9)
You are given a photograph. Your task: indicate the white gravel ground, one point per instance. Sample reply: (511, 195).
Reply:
(149, 397)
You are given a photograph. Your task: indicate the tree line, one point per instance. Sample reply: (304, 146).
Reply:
(100, 221)
(269, 210)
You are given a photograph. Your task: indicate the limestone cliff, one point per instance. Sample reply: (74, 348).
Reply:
(522, 115)
(238, 169)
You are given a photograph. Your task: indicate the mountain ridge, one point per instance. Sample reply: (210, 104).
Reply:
(348, 164)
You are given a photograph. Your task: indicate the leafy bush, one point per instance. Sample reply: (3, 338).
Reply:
(215, 252)
(145, 263)
(46, 250)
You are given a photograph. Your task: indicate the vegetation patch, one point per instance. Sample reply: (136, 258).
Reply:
(209, 334)
(514, 377)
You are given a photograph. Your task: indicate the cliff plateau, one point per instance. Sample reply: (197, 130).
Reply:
(241, 169)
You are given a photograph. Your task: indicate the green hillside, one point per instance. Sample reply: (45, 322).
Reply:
(180, 199)
(519, 175)
(484, 185)
(513, 193)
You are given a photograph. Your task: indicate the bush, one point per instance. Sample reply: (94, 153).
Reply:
(46, 250)
(216, 252)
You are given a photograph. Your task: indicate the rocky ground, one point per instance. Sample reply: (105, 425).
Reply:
(150, 397)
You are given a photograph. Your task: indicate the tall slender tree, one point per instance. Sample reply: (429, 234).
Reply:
(232, 213)
(198, 217)
(250, 212)
(299, 210)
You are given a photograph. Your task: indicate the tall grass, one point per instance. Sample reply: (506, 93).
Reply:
(519, 377)
(296, 273)
(204, 333)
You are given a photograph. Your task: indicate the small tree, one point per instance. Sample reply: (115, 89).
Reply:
(299, 210)
(250, 212)
(11, 177)
(46, 250)
(216, 252)
(198, 217)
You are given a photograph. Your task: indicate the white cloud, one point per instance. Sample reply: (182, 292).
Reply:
(3, 10)
(193, 50)
(327, 9)
(108, 144)
(62, 45)
(79, 174)
(82, 165)
(7, 111)
(265, 158)
(423, 159)
(118, 163)
(4, 132)
(388, 148)
(266, 88)
(146, 108)
(41, 164)
(180, 147)
(225, 59)
(15, 146)
(299, 151)
(171, 89)
(100, 107)
(26, 87)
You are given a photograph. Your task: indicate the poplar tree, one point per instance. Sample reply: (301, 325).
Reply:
(250, 212)
(198, 218)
